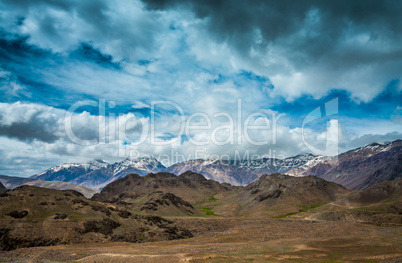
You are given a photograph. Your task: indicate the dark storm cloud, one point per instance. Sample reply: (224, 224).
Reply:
(33, 128)
(93, 11)
(89, 53)
(308, 30)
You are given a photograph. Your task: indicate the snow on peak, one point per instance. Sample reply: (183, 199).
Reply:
(373, 149)
(96, 164)
(144, 163)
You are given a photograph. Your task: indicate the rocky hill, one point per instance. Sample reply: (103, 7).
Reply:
(2, 188)
(380, 204)
(190, 186)
(34, 216)
(278, 194)
(385, 193)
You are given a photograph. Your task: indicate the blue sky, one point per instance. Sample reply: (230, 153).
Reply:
(276, 57)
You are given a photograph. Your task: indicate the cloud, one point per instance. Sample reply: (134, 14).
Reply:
(116, 28)
(304, 47)
(29, 122)
(307, 47)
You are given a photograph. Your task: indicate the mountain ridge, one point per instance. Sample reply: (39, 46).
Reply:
(98, 173)
(359, 168)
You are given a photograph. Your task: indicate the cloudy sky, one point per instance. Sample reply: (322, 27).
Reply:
(81, 80)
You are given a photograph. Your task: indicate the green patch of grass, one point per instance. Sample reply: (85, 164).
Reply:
(207, 205)
(286, 215)
(288, 249)
(313, 206)
(212, 198)
(304, 209)
(207, 210)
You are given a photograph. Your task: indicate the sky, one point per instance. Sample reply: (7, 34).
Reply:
(179, 80)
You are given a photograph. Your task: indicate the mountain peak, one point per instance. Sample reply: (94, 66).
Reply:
(142, 162)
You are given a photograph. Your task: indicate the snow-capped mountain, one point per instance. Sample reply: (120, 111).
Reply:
(355, 169)
(239, 172)
(98, 173)
(69, 172)
(144, 164)
(358, 168)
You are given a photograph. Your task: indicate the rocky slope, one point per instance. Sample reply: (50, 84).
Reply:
(2, 188)
(385, 193)
(34, 216)
(359, 168)
(380, 204)
(189, 186)
(278, 194)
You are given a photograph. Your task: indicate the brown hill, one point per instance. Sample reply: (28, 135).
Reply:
(386, 192)
(188, 193)
(34, 216)
(380, 204)
(163, 204)
(191, 187)
(278, 194)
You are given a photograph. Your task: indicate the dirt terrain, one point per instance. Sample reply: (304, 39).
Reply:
(240, 240)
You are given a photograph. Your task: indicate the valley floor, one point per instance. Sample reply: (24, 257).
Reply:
(240, 240)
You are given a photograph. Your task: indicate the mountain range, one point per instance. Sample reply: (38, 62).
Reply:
(98, 173)
(356, 169)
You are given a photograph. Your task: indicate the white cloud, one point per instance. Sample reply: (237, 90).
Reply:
(38, 153)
